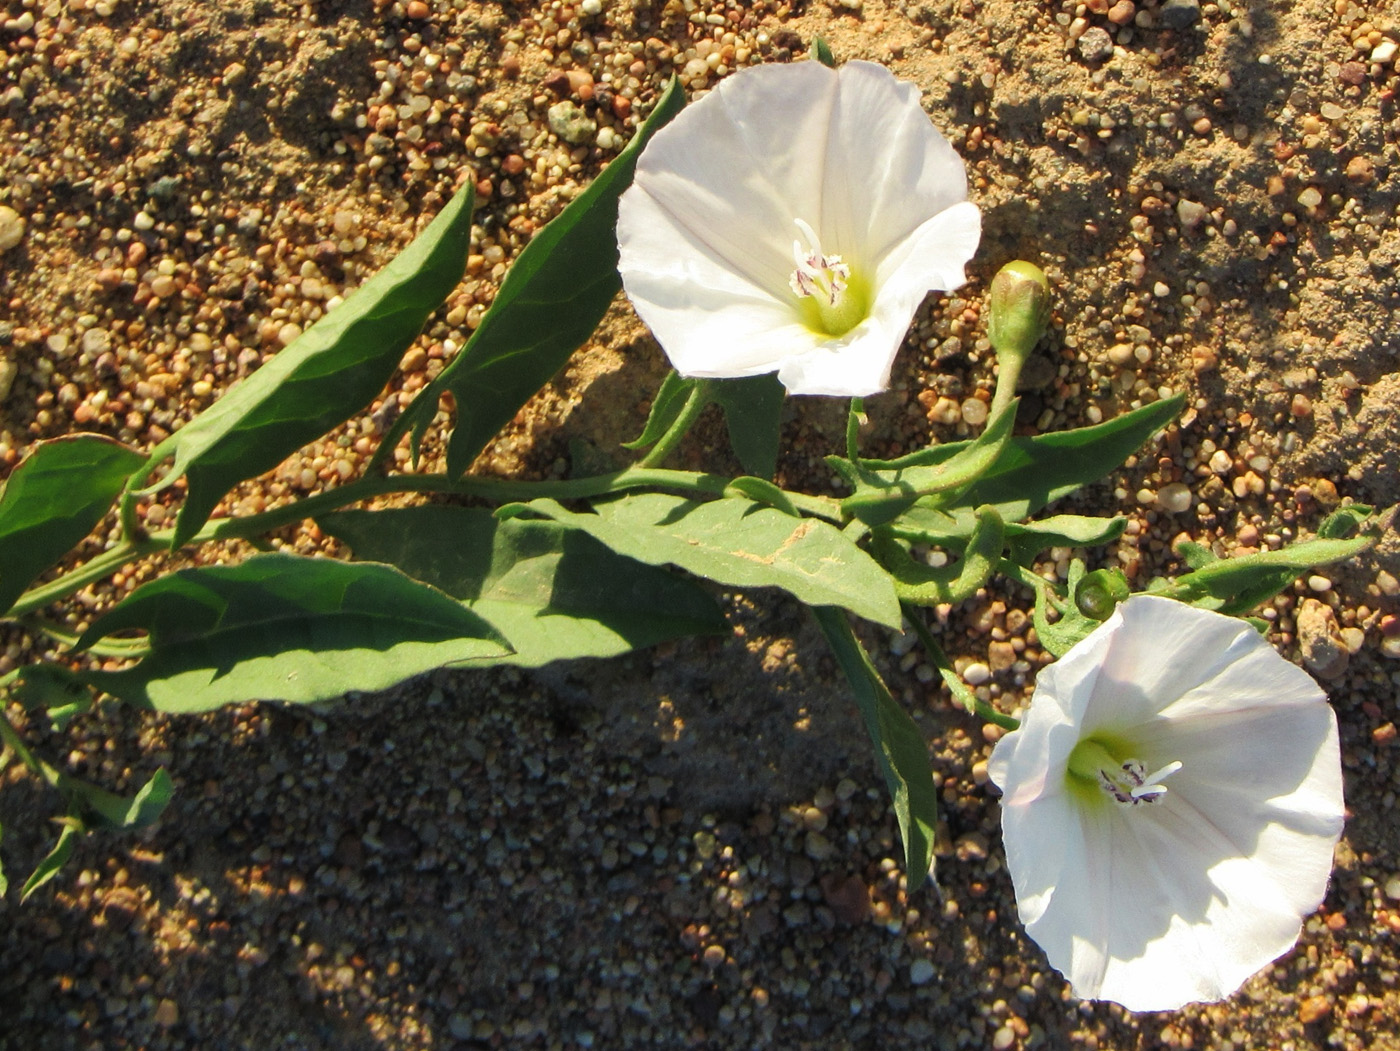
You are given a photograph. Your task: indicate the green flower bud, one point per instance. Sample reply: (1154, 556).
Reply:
(1020, 309)
(1099, 592)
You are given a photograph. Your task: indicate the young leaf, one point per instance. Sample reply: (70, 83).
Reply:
(53, 687)
(951, 529)
(1032, 472)
(285, 628)
(551, 300)
(555, 593)
(932, 484)
(753, 414)
(665, 408)
(113, 811)
(52, 500)
(741, 544)
(70, 828)
(329, 373)
(899, 746)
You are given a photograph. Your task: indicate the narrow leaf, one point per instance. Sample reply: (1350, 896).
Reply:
(70, 829)
(899, 746)
(114, 811)
(554, 592)
(740, 544)
(331, 372)
(285, 628)
(753, 414)
(665, 408)
(551, 300)
(1033, 472)
(52, 500)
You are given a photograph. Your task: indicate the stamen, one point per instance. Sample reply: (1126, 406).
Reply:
(815, 272)
(1125, 781)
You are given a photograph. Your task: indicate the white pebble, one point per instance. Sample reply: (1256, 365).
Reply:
(1392, 888)
(1174, 498)
(974, 412)
(976, 673)
(11, 228)
(1319, 583)
(591, 7)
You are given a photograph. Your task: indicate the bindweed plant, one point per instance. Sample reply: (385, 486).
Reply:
(778, 237)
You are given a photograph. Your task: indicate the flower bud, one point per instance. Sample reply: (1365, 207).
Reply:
(1100, 592)
(1020, 308)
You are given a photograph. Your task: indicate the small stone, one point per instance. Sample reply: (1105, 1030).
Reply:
(974, 412)
(1392, 888)
(1179, 14)
(591, 8)
(1095, 45)
(571, 123)
(1122, 13)
(920, 972)
(460, 1026)
(11, 228)
(1383, 54)
(1122, 355)
(976, 673)
(1191, 213)
(167, 1013)
(416, 10)
(1314, 1009)
(1361, 170)
(1174, 498)
(1003, 1038)
(1324, 651)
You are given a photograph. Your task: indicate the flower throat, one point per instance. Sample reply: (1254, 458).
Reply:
(830, 298)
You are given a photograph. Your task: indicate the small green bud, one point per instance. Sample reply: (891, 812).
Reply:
(1099, 592)
(1020, 308)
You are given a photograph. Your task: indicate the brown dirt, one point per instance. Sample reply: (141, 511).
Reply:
(688, 847)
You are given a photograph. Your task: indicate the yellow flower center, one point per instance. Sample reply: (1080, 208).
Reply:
(1102, 768)
(831, 300)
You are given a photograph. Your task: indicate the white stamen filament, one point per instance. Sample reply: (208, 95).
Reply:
(816, 273)
(1130, 785)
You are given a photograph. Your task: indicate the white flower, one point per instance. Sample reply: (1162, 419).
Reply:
(1170, 805)
(793, 220)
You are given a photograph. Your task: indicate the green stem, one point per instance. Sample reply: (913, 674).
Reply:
(104, 565)
(973, 704)
(694, 405)
(1008, 375)
(15, 743)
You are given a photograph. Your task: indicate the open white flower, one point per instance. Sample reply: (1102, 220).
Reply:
(793, 220)
(1170, 805)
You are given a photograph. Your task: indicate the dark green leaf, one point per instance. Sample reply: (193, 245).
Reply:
(925, 585)
(753, 414)
(555, 593)
(740, 544)
(327, 375)
(951, 529)
(899, 746)
(1032, 472)
(1237, 585)
(1344, 521)
(285, 628)
(670, 399)
(53, 687)
(551, 300)
(54, 499)
(70, 829)
(881, 496)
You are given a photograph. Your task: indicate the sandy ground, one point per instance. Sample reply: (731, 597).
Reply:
(689, 847)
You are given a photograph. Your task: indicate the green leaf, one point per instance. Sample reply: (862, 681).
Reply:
(753, 413)
(951, 529)
(555, 593)
(1073, 626)
(52, 500)
(666, 407)
(61, 692)
(114, 811)
(70, 828)
(332, 371)
(1033, 472)
(881, 496)
(551, 300)
(924, 585)
(285, 628)
(899, 746)
(1237, 585)
(739, 543)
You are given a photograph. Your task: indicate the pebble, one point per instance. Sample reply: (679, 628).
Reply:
(1179, 14)
(1314, 1009)
(976, 673)
(921, 972)
(1003, 1038)
(1392, 888)
(1122, 13)
(11, 228)
(974, 412)
(1174, 498)
(1383, 54)
(1095, 45)
(571, 123)
(1191, 213)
